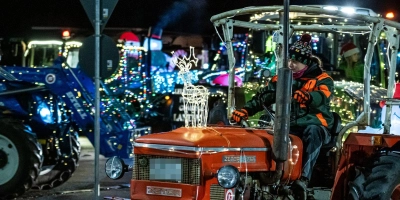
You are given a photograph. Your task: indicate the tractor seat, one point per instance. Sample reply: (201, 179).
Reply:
(337, 126)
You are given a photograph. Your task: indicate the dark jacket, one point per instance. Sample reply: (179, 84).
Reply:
(320, 86)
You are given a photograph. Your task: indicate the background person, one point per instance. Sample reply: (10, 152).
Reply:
(312, 91)
(350, 63)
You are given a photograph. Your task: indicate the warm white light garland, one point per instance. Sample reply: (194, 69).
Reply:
(195, 97)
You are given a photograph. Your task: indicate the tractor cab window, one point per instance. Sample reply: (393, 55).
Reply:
(42, 54)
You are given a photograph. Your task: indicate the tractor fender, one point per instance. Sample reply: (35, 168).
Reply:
(372, 140)
(357, 152)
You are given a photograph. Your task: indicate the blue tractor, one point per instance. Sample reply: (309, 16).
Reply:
(43, 110)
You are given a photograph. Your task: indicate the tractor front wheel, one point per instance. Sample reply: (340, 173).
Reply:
(20, 158)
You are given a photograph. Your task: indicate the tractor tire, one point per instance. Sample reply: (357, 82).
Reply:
(356, 187)
(20, 158)
(63, 170)
(384, 181)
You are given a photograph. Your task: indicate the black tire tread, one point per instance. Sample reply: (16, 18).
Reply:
(61, 172)
(35, 156)
(385, 175)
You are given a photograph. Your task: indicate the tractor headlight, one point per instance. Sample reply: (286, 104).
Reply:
(115, 168)
(45, 113)
(228, 176)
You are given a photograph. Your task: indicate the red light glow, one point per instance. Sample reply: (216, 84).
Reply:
(66, 34)
(390, 15)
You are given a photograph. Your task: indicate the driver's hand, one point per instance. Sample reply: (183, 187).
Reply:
(239, 115)
(302, 97)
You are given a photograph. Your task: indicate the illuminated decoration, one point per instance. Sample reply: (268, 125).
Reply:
(129, 39)
(195, 98)
(165, 82)
(257, 63)
(315, 40)
(177, 54)
(66, 35)
(221, 77)
(34, 43)
(238, 46)
(344, 9)
(223, 80)
(128, 84)
(155, 44)
(153, 40)
(129, 74)
(348, 102)
(390, 15)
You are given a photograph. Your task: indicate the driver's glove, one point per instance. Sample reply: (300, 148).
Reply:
(239, 115)
(302, 97)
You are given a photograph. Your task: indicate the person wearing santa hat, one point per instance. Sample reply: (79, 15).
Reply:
(312, 92)
(350, 64)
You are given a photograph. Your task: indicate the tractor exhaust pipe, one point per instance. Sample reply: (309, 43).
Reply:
(283, 97)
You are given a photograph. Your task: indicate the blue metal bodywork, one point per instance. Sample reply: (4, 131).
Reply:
(23, 91)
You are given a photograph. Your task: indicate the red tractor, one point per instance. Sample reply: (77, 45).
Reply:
(231, 162)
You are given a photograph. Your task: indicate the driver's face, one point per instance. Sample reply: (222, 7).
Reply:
(295, 66)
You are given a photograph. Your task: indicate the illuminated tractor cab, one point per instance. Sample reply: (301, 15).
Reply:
(42, 53)
(330, 46)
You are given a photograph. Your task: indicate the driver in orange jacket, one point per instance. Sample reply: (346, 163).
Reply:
(312, 91)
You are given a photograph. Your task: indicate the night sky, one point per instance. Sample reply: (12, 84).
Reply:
(190, 16)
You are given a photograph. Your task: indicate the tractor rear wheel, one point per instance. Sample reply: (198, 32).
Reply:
(384, 181)
(20, 158)
(64, 168)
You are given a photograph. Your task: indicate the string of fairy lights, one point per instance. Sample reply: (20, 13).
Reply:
(128, 83)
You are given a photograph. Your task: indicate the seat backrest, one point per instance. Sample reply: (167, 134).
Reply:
(337, 124)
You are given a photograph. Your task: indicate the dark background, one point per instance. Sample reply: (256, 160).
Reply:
(17, 17)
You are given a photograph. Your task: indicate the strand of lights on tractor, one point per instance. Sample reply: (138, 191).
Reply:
(238, 46)
(129, 80)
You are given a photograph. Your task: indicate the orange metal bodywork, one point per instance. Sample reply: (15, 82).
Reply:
(215, 137)
(358, 147)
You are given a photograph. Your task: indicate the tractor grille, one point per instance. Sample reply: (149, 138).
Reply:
(217, 192)
(190, 168)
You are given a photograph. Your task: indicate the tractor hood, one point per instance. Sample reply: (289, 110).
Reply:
(227, 137)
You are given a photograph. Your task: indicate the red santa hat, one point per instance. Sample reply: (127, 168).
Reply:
(349, 49)
(129, 38)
